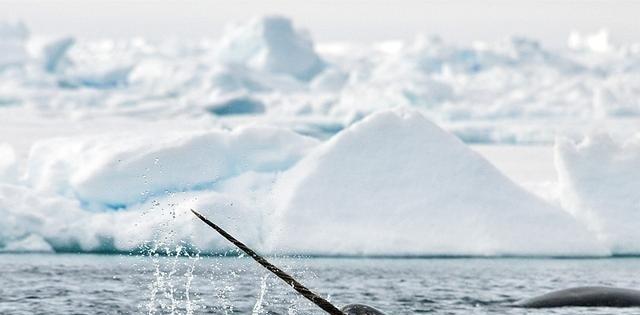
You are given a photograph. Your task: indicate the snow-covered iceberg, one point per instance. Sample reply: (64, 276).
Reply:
(271, 44)
(29, 218)
(395, 183)
(121, 169)
(600, 182)
(34, 221)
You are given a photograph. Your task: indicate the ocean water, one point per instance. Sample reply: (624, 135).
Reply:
(121, 284)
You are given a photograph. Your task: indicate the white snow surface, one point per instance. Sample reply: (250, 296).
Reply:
(393, 171)
(600, 178)
(133, 165)
(36, 221)
(105, 144)
(435, 194)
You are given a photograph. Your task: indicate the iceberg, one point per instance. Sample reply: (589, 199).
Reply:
(271, 44)
(34, 221)
(396, 184)
(122, 169)
(599, 180)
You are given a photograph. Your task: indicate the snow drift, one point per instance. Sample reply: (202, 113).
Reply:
(600, 179)
(395, 183)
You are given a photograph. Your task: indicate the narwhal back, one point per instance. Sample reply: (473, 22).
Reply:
(359, 309)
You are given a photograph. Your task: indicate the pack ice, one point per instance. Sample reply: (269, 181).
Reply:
(513, 91)
(105, 144)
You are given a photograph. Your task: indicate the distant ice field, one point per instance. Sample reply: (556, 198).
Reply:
(491, 149)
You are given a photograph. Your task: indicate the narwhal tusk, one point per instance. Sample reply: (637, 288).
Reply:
(316, 299)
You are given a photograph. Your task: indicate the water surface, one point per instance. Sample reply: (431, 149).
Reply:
(112, 284)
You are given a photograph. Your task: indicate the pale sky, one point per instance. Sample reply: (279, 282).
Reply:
(333, 20)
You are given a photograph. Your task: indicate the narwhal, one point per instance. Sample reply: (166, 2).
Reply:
(585, 297)
(572, 297)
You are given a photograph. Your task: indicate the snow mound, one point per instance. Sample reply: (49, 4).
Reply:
(599, 179)
(396, 184)
(39, 222)
(13, 37)
(271, 44)
(121, 169)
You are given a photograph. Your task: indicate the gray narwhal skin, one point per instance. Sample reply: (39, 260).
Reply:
(585, 297)
(360, 309)
(573, 297)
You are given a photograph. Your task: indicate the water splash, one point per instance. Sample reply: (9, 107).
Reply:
(257, 308)
(173, 272)
(173, 261)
